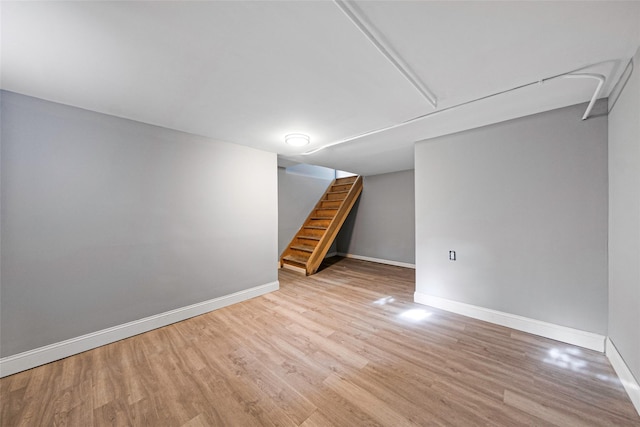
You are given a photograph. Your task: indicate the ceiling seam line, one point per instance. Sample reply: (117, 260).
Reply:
(621, 84)
(368, 30)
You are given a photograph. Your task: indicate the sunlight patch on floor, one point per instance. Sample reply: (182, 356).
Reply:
(385, 300)
(415, 314)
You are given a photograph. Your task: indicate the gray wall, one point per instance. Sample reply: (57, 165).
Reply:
(382, 223)
(524, 204)
(624, 222)
(297, 195)
(106, 221)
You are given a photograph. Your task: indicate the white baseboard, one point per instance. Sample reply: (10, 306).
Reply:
(624, 373)
(548, 330)
(378, 260)
(40, 356)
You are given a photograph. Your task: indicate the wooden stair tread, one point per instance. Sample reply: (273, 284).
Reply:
(303, 248)
(315, 227)
(336, 192)
(321, 217)
(309, 237)
(294, 259)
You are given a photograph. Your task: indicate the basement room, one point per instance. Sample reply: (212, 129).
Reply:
(319, 213)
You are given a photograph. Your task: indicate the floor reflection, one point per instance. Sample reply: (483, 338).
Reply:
(385, 300)
(415, 315)
(568, 358)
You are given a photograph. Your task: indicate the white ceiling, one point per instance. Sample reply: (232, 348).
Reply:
(251, 72)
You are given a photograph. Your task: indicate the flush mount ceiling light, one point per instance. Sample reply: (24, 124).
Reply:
(296, 139)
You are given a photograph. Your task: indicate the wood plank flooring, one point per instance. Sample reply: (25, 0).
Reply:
(345, 347)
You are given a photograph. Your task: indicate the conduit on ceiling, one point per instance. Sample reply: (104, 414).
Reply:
(571, 74)
(594, 98)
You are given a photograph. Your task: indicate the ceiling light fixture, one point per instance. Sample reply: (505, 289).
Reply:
(296, 139)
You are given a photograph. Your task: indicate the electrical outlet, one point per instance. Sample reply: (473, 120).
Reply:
(452, 255)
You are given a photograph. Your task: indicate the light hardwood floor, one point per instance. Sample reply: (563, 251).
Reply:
(345, 347)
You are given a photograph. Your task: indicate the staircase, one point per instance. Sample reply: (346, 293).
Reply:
(312, 242)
